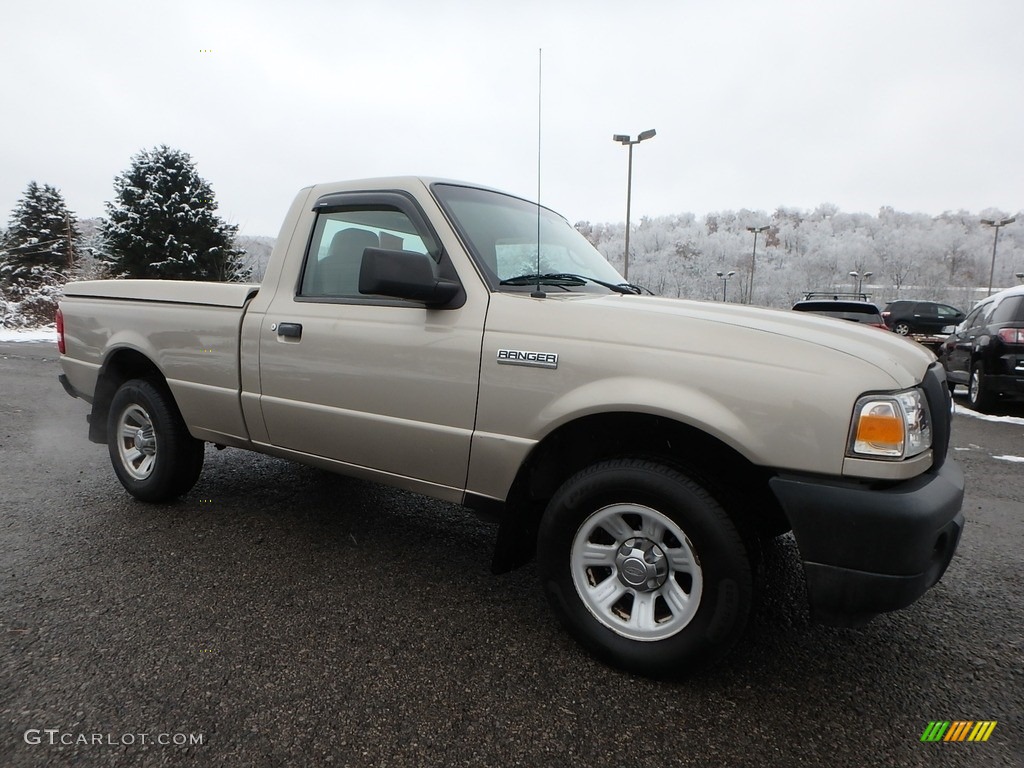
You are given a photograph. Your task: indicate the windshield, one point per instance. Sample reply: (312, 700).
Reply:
(501, 232)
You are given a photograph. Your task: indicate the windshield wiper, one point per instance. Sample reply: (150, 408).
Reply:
(568, 278)
(617, 287)
(559, 282)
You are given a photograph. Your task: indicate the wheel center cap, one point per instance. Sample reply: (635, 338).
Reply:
(641, 565)
(144, 442)
(634, 571)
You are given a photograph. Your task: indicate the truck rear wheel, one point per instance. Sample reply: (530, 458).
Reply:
(644, 567)
(154, 456)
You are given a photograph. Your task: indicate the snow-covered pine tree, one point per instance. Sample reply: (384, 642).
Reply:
(41, 245)
(162, 223)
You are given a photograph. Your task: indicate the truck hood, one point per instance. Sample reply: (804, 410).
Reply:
(795, 334)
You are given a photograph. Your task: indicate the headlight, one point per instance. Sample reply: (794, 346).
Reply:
(892, 426)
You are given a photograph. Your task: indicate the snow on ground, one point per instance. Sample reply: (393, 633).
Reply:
(1019, 459)
(28, 334)
(962, 410)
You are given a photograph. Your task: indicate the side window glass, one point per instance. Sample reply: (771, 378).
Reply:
(335, 254)
(1010, 310)
(970, 320)
(1018, 315)
(984, 313)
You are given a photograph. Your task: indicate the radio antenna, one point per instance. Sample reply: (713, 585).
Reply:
(537, 292)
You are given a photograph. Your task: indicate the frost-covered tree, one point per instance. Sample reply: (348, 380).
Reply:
(163, 224)
(909, 255)
(257, 254)
(89, 265)
(41, 245)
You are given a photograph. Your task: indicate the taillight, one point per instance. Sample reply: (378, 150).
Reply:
(1012, 335)
(60, 332)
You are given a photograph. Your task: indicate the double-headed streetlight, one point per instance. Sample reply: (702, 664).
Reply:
(724, 276)
(996, 225)
(628, 142)
(860, 277)
(753, 260)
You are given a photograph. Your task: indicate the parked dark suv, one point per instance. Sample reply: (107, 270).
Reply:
(986, 352)
(842, 307)
(906, 317)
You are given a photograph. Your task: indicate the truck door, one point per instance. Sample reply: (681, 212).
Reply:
(375, 382)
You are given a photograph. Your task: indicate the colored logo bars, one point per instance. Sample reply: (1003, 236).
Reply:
(958, 730)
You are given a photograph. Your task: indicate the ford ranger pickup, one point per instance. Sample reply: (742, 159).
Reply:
(463, 343)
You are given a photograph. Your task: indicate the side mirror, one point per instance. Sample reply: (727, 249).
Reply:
(948, 329)
(405, 275)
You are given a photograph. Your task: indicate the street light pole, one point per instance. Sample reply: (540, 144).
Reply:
(860, 278)
(753, 261)
(995, 241)
(625, 140)
(725, 282)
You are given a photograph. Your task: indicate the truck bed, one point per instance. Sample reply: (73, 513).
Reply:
(167, 291)
(190, 330)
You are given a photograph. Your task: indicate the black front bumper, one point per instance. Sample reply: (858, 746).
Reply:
(868, 550)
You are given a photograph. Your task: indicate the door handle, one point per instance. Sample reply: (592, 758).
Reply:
(290, 330)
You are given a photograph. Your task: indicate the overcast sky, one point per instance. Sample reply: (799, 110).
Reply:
(757, 104)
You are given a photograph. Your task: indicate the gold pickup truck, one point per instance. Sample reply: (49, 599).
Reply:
(469, 345)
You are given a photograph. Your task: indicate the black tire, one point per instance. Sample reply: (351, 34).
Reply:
(902, 328)
(162, 460)
(663, 639)
(979, 395)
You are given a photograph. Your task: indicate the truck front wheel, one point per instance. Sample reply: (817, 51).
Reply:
(154, 456)
(644, 567)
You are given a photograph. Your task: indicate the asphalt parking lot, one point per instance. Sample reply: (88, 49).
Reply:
(283, 616)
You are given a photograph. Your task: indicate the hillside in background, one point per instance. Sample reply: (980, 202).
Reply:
(909, 255)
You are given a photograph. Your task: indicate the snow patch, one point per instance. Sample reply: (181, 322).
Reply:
(1018, 459)
(28, 334)
(962, 411)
